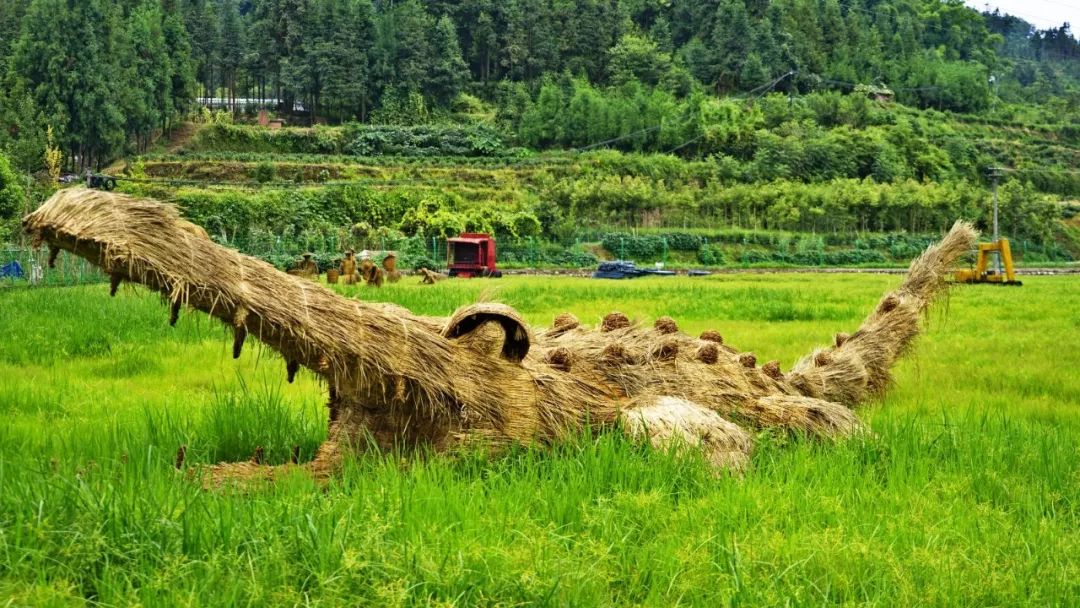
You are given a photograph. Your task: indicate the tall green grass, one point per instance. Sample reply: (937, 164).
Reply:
(967, 494)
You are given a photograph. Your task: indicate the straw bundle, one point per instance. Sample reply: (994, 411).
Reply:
(431, 277)
(400, 379)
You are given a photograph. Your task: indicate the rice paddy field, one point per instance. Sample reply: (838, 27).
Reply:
(968, 493)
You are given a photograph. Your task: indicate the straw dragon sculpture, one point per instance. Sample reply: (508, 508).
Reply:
(400, 379)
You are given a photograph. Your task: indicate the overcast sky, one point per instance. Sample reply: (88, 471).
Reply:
(1042, 14)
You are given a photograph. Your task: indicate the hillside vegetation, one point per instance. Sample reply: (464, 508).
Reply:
(835, 179)
(561, 127)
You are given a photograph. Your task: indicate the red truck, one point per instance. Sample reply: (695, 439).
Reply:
(472, 255)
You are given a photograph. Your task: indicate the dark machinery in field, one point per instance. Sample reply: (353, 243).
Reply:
(472, 255)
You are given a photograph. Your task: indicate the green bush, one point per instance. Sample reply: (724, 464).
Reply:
(423, 140)
(264, 172)
(711, 255)
(631, 246)
(12, 199)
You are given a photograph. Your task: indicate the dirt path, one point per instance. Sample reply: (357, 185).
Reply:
(181, 137)
(178, 139)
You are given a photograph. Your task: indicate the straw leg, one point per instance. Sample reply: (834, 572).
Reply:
(803, 416)
(327, 463)
(672, 422)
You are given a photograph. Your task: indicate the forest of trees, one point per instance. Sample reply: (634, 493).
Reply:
(108, 76)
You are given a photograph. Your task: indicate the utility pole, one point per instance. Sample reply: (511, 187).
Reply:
(994, 174)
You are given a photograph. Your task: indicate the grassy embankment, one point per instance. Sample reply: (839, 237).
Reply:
(969, 494)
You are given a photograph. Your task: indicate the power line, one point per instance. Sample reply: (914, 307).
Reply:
(761, 90)
(768, 86)
(615, 139)
(905, 89)
(1045, 171)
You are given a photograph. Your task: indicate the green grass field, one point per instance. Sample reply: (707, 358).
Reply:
(968, 494)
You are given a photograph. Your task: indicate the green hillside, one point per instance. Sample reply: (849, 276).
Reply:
(556, 124)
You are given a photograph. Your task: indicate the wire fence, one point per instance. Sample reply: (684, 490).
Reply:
(414, 252)
(25, 267)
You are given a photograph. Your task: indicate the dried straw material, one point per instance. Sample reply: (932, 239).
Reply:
(614, 321)
(712, 336)
(666, 325)
(430, 277)
(400, 379)
(673, 423)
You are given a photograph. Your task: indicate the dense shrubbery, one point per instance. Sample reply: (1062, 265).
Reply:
(854, 214)
(814, 138)
(356, 140)
(11, 199)
(424, 140)
(541, 253)
(839, 205)
(655, 243)
(735, 247)
(291, 221)
(245, 138)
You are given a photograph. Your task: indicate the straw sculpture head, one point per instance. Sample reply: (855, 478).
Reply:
(397, 379)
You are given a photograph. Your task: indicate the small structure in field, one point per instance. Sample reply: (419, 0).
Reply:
(472, 254)
(349, 273)
(877, 92)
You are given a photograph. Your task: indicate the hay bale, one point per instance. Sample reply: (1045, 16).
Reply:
(861, 369)
(566, 321)
(888, 304)
(772, 370)
(389, 263)
(712, 336)
(674, 423)
(666, 325)
(367, 269)
(517, 336)
(708, 353)
(614, 321)
(618, 354)
(349, 270)
(559, 358)
(563, 323)
(804, 416)
(375, 277)
(430, 277)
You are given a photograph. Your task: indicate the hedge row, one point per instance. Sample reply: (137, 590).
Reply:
(356, 140)
(623, 244)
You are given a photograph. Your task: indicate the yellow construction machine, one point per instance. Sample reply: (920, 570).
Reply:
(1003, 272)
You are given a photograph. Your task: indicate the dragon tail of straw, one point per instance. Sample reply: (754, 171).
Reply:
(857, 365)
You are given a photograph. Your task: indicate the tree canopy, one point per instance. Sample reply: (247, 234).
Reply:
(108, 76)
